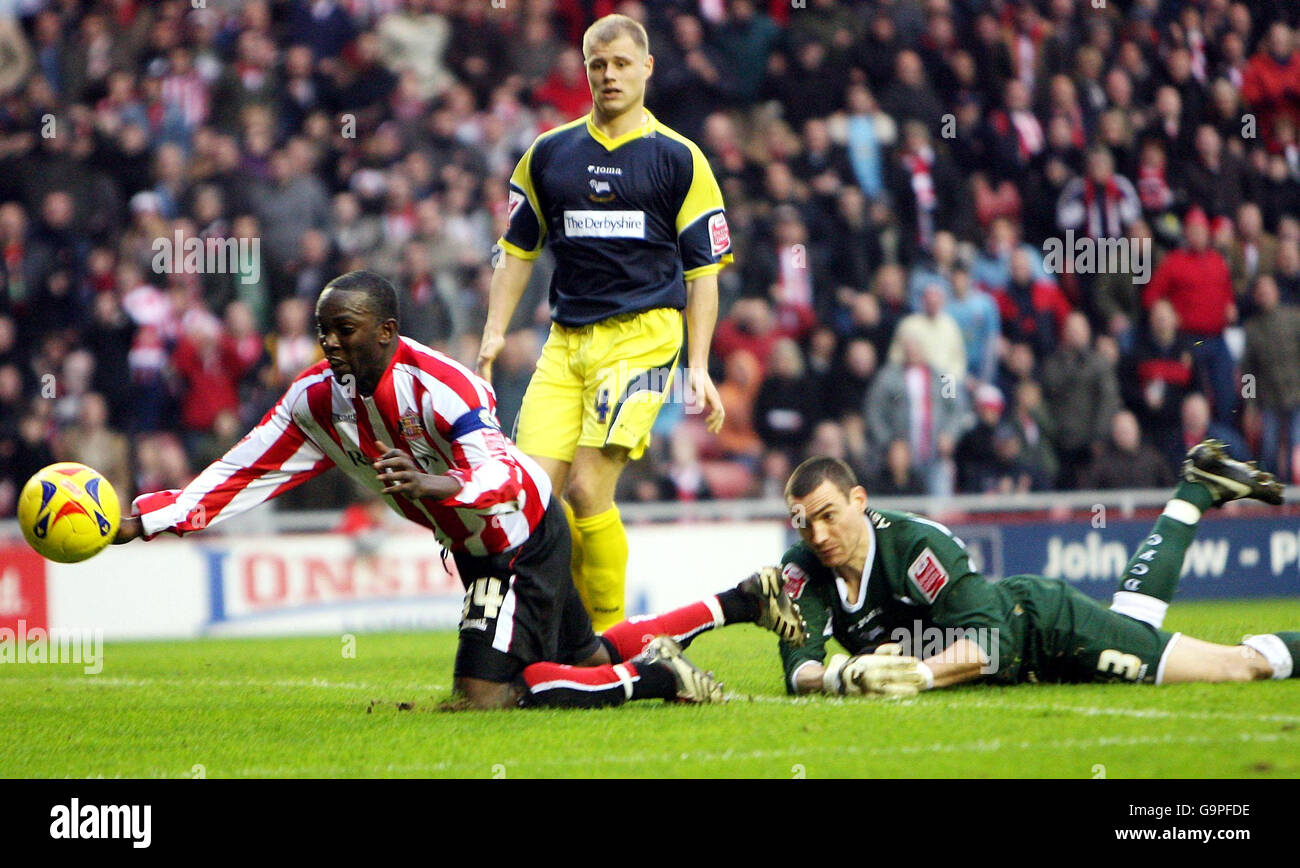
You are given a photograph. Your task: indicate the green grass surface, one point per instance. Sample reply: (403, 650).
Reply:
(298, 708)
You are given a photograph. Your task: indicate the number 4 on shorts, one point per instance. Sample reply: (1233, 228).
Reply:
(487, 593)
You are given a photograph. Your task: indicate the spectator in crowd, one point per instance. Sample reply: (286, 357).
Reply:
(209, 369)
(1271, 79)
(898, 476)
(921, 181)
(1197, 425)
(683, 479)
(1125, 461)
(739, 389)
(1101, 204)
(935, 270)
(909, 401)
(976, 456)
(977, 315)
(851, 377)
(784, 409)
(1034, 430)
(1033, 309)
(937, 333)
(1082, 395)
(1286, 274)
(746, 39)
(1196, 281)
(1272, 362)
(1157, 376)
(91, 442)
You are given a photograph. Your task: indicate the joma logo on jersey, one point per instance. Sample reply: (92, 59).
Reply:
(604, 170)
(604, 224)
(928, 574)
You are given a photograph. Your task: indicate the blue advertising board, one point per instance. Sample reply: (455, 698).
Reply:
(1231, 557)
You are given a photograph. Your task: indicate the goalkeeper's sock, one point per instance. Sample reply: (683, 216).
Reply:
(575, 557)
(604, 566)
(629, 638)
(1149, 581)
(1280, 649)
(558, 685)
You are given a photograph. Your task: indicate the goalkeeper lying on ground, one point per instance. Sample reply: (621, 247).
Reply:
(892, 583)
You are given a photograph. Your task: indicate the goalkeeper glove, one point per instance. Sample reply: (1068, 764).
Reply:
(884, 673)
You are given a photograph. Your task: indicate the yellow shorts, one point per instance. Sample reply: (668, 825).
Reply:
(600, 385)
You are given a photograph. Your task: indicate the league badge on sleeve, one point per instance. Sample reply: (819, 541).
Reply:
(719, 234)
(928, 574)
(795, 579)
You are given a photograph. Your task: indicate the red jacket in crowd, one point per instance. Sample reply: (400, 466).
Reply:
(1199, 287)
(1272, 89)
(211, 381)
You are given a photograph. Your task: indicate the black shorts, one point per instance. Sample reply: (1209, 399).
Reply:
(521, 606)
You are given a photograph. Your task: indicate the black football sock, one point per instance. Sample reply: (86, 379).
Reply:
(738, 607)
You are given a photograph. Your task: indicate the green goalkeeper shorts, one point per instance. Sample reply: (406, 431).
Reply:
(1073, 639)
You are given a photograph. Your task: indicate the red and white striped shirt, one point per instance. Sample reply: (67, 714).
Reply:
(426, 404)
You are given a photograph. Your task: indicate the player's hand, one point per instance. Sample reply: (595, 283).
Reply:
(885, 673)
(703, 390)
(488, 351)
(401, 475)
(128, 529)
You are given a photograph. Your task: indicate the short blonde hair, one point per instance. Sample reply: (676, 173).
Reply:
(611, 27)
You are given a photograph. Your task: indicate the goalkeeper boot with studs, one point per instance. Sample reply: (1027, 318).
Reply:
(693, 684)
(776, 611)
(1209, 463)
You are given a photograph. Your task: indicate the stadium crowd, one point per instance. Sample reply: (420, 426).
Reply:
(894, 172)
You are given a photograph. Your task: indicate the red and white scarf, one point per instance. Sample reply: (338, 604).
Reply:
(1103, 217)
(927, 200)
(1029, 133)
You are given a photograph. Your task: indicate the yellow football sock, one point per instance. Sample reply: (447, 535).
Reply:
(575, 559)
(604, 567)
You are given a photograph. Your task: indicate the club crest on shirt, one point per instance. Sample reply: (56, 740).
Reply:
(601, 191)
(410, 423)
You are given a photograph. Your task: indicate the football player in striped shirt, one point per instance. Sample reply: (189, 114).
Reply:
(418, 428)
(634, 217)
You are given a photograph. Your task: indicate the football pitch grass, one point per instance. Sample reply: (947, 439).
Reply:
(299, 708)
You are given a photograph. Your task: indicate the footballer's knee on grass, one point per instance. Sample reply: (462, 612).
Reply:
(1195, 660)
(593, 478)
(483, 695)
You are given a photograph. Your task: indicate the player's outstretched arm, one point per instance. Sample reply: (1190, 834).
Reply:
(508, 282)
(962, 661)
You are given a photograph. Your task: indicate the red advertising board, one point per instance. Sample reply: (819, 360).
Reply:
(22, 587)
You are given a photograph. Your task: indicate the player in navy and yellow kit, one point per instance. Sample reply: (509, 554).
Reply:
(635, 220)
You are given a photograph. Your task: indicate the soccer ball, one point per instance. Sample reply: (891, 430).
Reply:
(68, 512)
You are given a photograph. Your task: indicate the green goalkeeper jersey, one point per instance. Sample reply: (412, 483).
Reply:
(918, 588)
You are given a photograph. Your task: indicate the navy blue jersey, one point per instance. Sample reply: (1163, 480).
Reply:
(628, 219)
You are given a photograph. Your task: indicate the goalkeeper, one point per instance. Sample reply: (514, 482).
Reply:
(897, 591)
